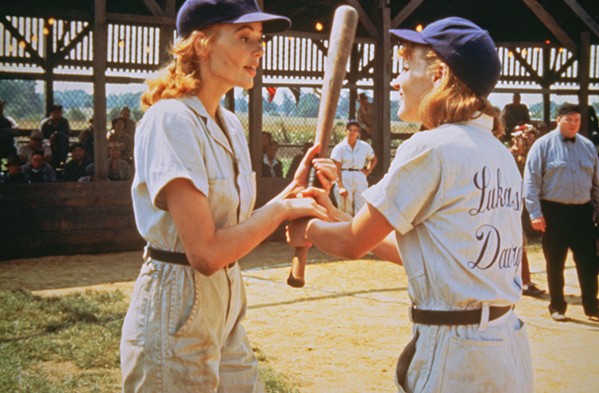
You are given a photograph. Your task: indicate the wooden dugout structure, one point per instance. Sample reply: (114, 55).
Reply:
(547, 47)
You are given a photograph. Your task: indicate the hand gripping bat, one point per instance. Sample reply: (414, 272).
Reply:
(341, 40)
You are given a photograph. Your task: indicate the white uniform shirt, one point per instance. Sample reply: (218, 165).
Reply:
(355, 158)
(454, 196)
(177, 139)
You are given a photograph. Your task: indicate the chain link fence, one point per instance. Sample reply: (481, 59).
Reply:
(289, 115)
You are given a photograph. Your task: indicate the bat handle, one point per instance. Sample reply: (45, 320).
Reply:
(296, 277)
(297, 273)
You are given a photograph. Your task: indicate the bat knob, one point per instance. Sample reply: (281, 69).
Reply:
(295, 282)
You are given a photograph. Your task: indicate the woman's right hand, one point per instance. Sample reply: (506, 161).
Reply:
(303, 207)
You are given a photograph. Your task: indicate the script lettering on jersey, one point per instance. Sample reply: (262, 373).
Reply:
(491, 253)
(493, 194)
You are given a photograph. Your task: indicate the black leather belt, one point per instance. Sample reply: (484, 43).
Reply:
(351, 169)
(178, 258)
(457, 317)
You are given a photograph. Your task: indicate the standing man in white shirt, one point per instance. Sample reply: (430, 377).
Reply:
(561, 178)
(355, 160)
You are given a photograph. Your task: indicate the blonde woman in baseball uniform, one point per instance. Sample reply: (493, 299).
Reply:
(451, 203)
(193, 196)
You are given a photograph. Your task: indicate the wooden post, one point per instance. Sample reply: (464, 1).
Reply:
(584, 79)
(99, 78)
(381, 138)
(255, 123)
(49, 74)
(545, 85)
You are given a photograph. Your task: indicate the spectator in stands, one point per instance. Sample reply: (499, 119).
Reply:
(271, 166)
(119, 135)
(56, 129)
(38, 170)
(365, 116)
(129, 123)
(90, 174)
(86, 138)
(266, 138)
(36, 142)
(514, 114)
(75, 168)
(7, 139)
(118, 169)
(14, 174)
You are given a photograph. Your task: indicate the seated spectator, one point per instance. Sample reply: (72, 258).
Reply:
(7, 139)
(86, 138)
(118, 135)
(75, 168)
(36, 142)
(14, 174)
(90, 174)
(271, 166)
(118, 169)
(56, 129)
(266, 138)
(38, 170)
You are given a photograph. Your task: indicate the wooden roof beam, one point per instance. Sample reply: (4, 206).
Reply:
(62, 53)
(584, 16)
(364, 19)
(154, 8)
(405, 13)
(28, 48)
(551, 24)
(531, 71)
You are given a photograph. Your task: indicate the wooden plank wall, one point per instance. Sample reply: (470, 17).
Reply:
(80, 218)
(66, 219)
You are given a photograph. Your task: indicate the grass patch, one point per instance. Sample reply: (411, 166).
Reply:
(70, 343)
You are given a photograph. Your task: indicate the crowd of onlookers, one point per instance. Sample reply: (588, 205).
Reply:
(51, 155)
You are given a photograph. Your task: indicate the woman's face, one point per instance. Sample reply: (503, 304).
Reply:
(234, 56)
(352, 132)
(413, 83)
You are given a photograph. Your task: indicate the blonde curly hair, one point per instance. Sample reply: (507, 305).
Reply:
(182, 76)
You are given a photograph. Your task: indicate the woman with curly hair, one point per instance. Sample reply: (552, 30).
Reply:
(193, 196)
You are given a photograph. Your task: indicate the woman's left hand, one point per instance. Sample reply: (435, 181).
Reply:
(326, 171)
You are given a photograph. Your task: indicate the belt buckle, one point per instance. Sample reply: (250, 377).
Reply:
(146, 254)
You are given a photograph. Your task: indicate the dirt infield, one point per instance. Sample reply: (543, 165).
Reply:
(344, 330)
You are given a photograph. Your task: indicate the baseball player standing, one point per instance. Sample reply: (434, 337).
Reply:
(355, 160)
(193, 195)
(452, 201)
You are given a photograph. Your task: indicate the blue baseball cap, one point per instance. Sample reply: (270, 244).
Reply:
(199, 14)
(466, 48)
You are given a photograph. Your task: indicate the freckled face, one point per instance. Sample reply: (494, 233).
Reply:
(413, 83)
(234, 56)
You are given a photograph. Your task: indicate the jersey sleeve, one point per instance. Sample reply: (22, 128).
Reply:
(411, 191)
(170, 148)
(337, 153)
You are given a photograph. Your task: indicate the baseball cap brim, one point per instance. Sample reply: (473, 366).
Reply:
(270, 23)
(408, 35)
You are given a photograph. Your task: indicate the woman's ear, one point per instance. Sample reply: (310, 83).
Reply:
(439, 73)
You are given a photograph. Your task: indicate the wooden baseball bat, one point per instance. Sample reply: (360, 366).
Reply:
(343, 32)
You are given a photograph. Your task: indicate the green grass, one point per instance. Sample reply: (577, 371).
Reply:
(71, 344)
